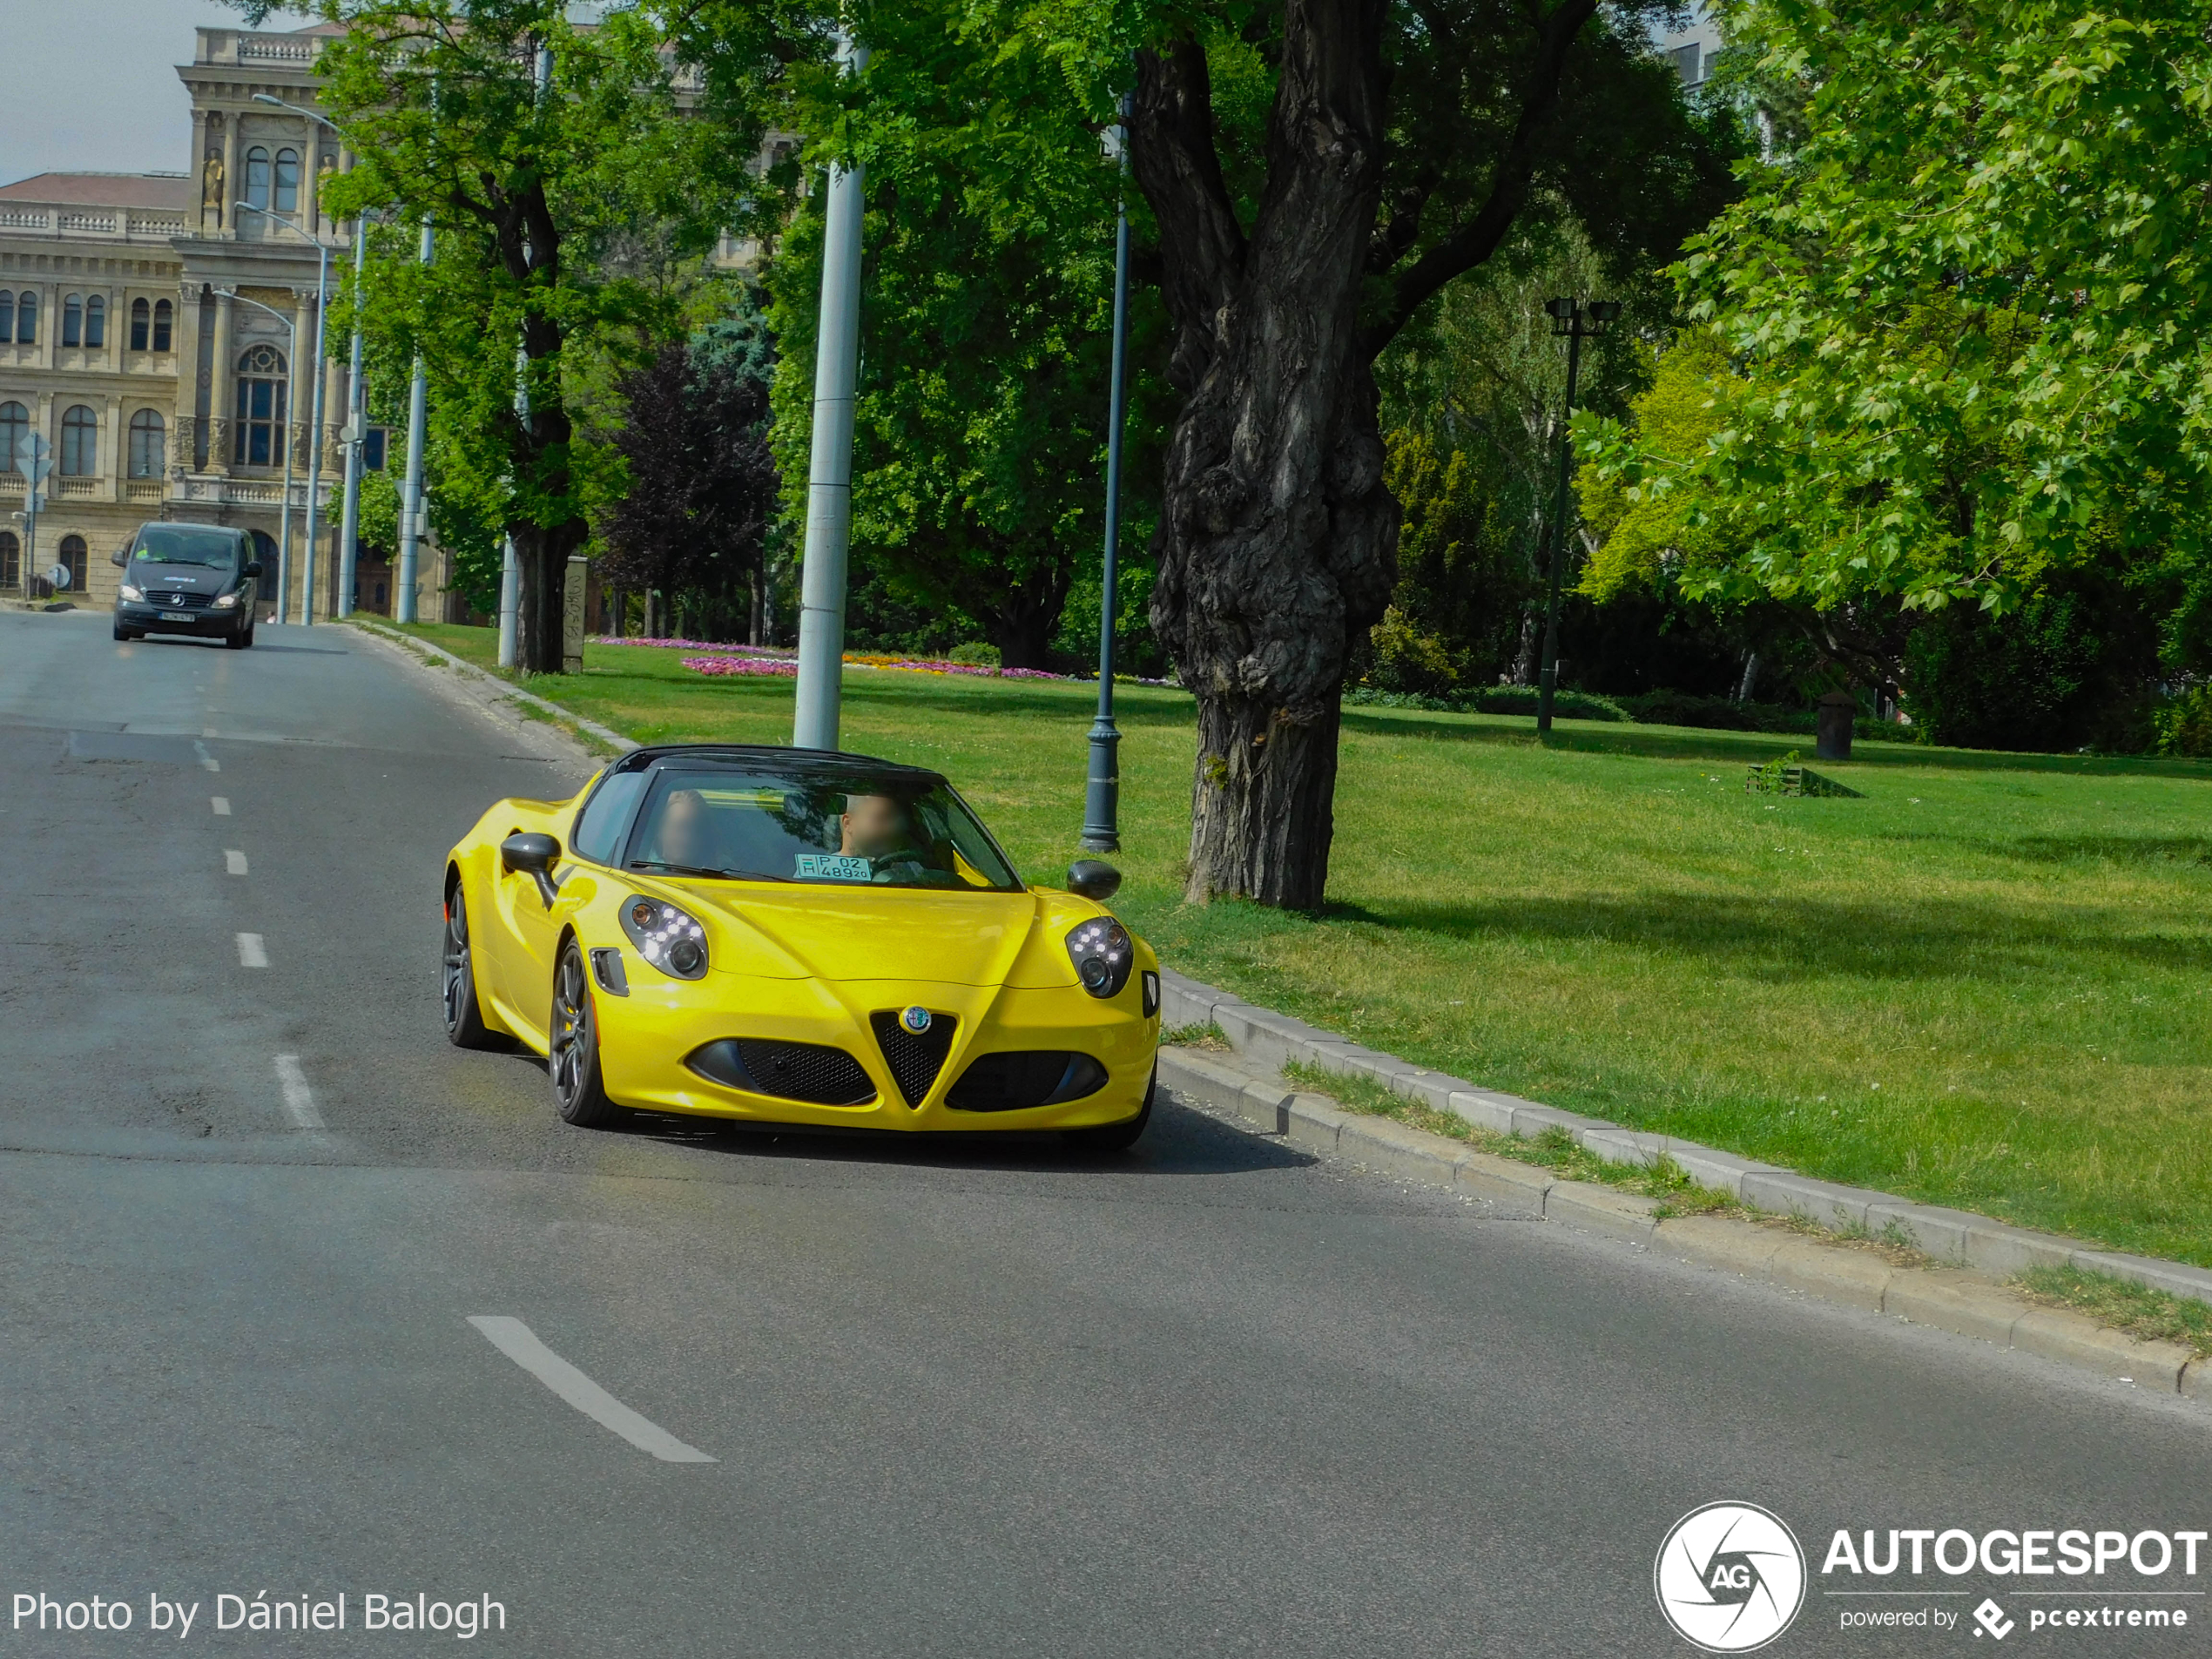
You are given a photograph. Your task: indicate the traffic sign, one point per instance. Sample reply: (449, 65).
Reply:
(34, 457)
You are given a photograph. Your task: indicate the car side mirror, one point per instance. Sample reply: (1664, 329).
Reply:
(533, 855)
(1093, 878)
(121, 555)
(252, 568)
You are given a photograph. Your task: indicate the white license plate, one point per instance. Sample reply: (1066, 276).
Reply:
(176, 616)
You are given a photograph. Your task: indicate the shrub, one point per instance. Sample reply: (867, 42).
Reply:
(974, 653)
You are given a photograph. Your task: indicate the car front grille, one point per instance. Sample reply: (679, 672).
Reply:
(1011, 1082)
(810, 1071)
(914, 1061)
(180, 601)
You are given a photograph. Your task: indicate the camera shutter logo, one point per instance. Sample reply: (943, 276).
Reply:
(1729, 1577)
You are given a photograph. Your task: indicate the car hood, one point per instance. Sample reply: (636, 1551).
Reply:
(841, 934)
(147, 574)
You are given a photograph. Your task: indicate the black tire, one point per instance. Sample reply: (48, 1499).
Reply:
(237, 638)
(465, 1027)
(128, 634)
(249, 635)
(572, 1047)
(1117, 1137)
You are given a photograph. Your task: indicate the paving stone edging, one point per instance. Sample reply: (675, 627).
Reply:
(1954, 1299)
(1270, 1040)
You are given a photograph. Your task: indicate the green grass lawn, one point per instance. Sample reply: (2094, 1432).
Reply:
(1984, 985)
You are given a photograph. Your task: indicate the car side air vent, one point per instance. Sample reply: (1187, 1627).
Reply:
(915, 1057)
(1013, 1083)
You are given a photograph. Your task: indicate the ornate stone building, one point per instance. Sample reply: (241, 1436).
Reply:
(161, 337)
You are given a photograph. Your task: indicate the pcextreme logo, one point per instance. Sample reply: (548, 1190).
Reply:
(1729, 1577)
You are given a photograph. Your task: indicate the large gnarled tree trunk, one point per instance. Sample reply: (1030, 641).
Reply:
(1277, 537)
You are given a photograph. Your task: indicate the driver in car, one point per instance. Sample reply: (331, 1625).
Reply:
(686, 833)
(875, 827)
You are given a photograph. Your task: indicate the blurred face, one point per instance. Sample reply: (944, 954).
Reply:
(873, 826)
(683, 829)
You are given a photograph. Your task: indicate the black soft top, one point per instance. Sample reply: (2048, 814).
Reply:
(798, 762)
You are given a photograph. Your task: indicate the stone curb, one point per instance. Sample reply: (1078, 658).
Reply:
(1265, 1039)
(615, 740)
(1947, 1298)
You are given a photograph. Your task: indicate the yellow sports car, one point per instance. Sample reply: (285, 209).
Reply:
(789, 936)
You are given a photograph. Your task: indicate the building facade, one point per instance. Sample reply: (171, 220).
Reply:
(158, 331)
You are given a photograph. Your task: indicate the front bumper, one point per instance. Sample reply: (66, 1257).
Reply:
(157, 620)
(645, 1037)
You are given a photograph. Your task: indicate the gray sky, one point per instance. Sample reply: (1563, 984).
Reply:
(93, 86)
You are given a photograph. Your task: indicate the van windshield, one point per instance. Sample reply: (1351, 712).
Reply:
(186, 544)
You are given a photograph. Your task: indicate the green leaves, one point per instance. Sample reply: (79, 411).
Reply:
(1965, 323)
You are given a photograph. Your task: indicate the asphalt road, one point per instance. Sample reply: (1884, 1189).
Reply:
(1213, 1398)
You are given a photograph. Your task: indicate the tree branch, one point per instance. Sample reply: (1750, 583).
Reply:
(1172, 154)
(1477, 239)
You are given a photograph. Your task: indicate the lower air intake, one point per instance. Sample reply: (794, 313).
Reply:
(1012, 1082)
(810, 1071)
(914, 1061)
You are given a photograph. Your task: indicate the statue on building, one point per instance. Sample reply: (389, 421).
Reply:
(211, 187)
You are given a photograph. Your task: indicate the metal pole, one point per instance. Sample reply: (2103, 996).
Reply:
(510, 565)
(350, 521)
(829, 478)
(411, 500)
(1103, 788)
(314, 440)
(284, 436)
(1549, 682)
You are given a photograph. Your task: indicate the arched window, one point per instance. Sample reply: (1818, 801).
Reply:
(10, 561)
(80, 442)
(7, 316)
(257, 177)
(74, 561)
(141, 324)
(147, 432)
(73, 320)
(163, 313)
(96, 321)
(15, 427)
(287, 181)
(26, 318)
(261, 409)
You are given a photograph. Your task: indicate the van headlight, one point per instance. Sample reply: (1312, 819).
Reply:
(671, 939)
(131, 593)
(226, 601)
(1102, 953)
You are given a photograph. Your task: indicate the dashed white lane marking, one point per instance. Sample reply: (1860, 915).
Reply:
(206, 759)
(519, 1342)
(252, 953)
(207, 732)
(234, 860)
(298, 1099)
(221, 804)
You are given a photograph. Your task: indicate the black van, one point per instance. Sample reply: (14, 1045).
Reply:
(188, 579)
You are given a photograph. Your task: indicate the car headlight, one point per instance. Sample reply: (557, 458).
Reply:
(226, 601)
(1102, 953)
(130, 592)
(670, 938)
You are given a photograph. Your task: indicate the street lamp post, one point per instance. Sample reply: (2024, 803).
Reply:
(284, 542)
(1574, 322)
(357, 404)
(1103, 788)
(314, 433)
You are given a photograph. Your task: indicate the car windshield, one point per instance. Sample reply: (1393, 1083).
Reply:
(856, 829)
(186, 544)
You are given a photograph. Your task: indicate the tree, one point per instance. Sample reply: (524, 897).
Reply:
(534, 188)
(986, 305)
(1966, 322)
(703, 487)
(1400, 146)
